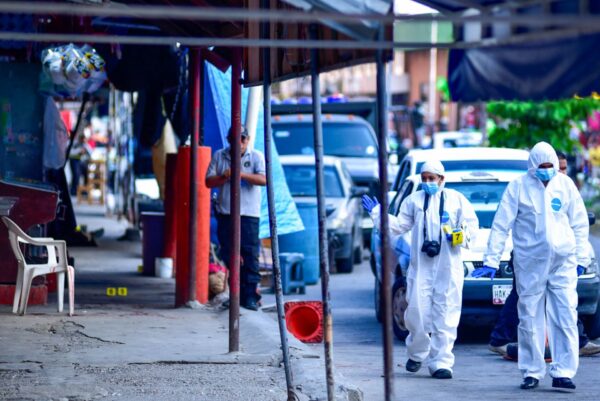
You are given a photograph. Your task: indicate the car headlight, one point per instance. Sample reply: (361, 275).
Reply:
(341, 220)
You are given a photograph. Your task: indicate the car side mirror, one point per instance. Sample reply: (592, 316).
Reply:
(591, 218)
(357, 192)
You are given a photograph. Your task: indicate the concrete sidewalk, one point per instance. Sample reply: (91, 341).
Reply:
(138, 347)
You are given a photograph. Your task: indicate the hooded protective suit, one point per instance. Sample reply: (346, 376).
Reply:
(434, 284)
(550, 235)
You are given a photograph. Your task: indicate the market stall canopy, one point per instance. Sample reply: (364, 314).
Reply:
(295, 62)
(215, 25)
(522, 50)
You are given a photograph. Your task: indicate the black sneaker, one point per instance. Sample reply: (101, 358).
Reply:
(563, 382)
(529, 383)
(413, 366)
(512, 353)
(442, 374)
(251, 305)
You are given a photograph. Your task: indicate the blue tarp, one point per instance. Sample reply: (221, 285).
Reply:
(217, 119)
(545, 70)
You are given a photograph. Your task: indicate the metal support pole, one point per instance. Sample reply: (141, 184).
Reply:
(323, 248)
(196, 70)
(266, 60)
(386, 287)
(234, 257)
(432, 79)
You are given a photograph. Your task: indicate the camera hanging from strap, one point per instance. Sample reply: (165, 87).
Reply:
(425, 206)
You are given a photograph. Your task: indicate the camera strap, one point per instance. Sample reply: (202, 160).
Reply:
(425, 206)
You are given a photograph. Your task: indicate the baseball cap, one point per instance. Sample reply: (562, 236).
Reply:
(243, 133)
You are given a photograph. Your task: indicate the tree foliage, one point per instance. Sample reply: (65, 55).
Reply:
(523, 124)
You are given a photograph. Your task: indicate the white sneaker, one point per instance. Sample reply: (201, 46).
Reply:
(589, 349)
(501, 349)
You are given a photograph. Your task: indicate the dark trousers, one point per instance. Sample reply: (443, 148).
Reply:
(75, 165)
(505, 330)
(249, 248)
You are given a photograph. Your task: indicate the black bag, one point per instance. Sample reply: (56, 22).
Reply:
(431, 248)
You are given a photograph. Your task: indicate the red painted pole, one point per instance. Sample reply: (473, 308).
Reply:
(170, 249)
(234, 258)
(183, 221)
(193, 227)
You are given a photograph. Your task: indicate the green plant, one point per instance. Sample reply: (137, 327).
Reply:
(523, 124)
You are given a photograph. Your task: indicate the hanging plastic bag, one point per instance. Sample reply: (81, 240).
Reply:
(56, 138)
(73, 70)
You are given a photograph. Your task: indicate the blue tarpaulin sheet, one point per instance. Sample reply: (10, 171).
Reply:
(544, 70)
(217, 119)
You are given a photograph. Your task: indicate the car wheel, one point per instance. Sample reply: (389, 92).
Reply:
(333, 268)
(358, 254)
(592, 326)
(346, 265)
(399, 305)
(377, 296)
(372, 263)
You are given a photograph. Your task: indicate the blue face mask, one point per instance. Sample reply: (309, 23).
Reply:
(430, 188)
(545, 174)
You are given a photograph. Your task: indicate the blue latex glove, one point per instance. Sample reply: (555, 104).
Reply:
(580, 270)
(484, 271)
(368, 203)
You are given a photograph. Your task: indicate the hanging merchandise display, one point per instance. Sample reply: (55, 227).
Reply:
(71, 70)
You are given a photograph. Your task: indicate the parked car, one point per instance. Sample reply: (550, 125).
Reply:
(482, 297)
(462, 159)
(349, 137)
(343, 205)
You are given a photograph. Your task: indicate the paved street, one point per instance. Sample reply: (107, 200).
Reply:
(478, 374)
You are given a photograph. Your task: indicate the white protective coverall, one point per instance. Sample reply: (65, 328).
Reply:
(434, 284)
(550, 235)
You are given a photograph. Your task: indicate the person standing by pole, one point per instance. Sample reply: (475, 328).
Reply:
(252, 178)
(550, 230)
(435, 276)
(79, 156)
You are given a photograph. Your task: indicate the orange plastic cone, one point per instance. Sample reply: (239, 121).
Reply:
(304, 319)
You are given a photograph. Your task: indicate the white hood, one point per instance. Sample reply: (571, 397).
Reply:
(542, 152)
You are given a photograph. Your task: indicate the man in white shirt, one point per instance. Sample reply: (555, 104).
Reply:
(252, 178)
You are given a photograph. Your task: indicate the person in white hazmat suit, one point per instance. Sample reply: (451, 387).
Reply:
(550, 231)
(435, 276)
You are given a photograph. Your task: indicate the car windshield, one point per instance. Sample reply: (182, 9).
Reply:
(487, 165)
(484, 196)
(339, 139)
(302, 181)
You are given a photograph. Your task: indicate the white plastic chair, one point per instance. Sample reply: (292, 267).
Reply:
(57, 263)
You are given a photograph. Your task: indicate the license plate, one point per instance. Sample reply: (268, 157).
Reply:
(500, 293)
